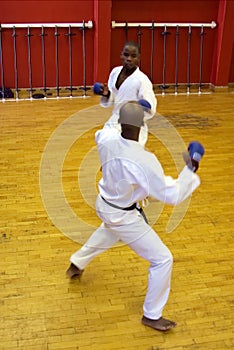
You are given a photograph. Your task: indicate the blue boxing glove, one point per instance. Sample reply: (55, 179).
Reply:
(194, 155)
(98, 88)
(196, 150)
(145, 105)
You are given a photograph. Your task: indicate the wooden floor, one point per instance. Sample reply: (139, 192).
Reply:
(49, 171)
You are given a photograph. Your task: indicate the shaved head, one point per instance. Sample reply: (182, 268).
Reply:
(131, 113)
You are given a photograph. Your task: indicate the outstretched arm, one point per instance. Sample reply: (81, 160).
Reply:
(174, 191)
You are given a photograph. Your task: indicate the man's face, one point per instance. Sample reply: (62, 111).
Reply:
(130, 57)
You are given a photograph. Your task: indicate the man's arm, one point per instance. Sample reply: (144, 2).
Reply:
(174, 191)
(106, 96)
(146, 92)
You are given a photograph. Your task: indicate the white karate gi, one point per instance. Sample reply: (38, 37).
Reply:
(130, 174)
(137, 86)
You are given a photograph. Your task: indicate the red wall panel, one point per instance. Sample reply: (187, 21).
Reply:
(103, 44)
(46, 12)
(170, 11)
(164, 10)
(231, 71)
(221, 70)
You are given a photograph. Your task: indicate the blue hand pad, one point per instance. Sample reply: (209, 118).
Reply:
(196, 150)
(98, 88)
(145, 104)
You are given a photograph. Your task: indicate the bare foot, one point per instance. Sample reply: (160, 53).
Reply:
(74, 272)
(161, 324)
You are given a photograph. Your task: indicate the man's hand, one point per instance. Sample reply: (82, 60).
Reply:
(193, 156)
(101, 89)
(145, 105)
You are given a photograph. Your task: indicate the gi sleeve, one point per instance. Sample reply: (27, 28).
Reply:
(173, 191)
(104, 102)
(146, 92)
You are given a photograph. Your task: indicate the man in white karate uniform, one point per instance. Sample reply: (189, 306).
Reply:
(128, 83)
(129, 175)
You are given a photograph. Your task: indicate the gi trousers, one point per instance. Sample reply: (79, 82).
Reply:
(130, 228)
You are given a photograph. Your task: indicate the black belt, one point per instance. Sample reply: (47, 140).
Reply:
(133, 206)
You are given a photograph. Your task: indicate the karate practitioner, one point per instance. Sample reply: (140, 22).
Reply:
(130, 174)
(128, 83)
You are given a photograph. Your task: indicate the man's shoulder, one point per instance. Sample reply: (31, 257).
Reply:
(116, 69)
(113, 76)
(106, 134)
(142, 75)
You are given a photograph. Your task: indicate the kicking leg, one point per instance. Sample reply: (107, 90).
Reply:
(101, 240)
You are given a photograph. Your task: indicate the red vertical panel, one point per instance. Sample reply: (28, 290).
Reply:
(174, 11)
(224, 43)
(47, 12)
(102, 37)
